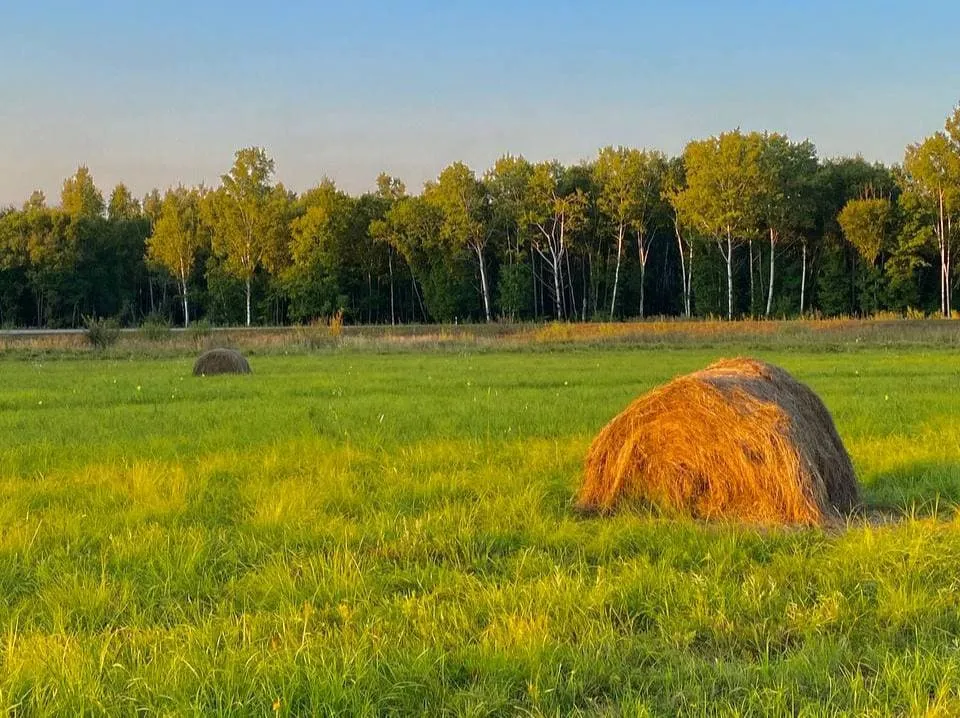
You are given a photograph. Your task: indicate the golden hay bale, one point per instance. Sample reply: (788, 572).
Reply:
(220, 361)
(741, 439)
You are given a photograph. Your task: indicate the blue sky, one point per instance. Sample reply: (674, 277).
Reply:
(154, 94)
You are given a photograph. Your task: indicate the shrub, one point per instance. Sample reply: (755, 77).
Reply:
(336, 325)
(199, 330)
(314, 335)
(101, 333)
(155, 328)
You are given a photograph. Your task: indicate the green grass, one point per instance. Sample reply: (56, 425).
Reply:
(360, 534)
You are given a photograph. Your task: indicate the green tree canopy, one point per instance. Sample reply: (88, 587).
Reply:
(178, 237)
(464, 203)
(80, 196)
(723, 191)
(248, 217)
(123, 205)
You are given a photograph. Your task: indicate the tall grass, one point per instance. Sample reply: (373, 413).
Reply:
(326, 335)
(363, 534)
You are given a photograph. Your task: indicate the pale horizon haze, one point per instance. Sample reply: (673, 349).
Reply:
(160, 94)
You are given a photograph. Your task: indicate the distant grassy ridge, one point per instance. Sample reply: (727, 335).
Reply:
(819, 334)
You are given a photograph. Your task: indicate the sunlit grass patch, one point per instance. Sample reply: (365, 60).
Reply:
(360, 534)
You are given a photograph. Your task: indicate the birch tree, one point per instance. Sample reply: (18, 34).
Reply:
(787, 196)
(617, 200)
(648, 170)
(390, 190)
(247, 217)
(722, 191)
(673, 185)
(412, 227)
(506, 184)
(177, 238)
(464, 202)
(933, 177)
(553, 216)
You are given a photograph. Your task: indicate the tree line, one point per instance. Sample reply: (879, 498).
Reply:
(740, 224)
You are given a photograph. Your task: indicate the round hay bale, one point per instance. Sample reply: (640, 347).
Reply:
(220, 361)
(741, 439)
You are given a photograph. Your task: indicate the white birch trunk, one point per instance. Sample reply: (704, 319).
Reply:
(803, 277)
(683, 272)
(616, 274)
(248, 301)
(773, 246)
(393, 315)
(483, 284)
(729, 260)
(183, 288)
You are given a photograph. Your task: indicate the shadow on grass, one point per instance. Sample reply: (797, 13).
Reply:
(923, 490)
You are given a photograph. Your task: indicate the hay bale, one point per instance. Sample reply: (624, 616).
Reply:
(740, 440)
(220, 361)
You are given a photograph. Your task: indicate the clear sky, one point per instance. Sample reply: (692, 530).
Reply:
(154, 94)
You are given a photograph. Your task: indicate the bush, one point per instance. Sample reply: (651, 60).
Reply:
(336, 325)
(155, 328)
(314, 335)
(199, 330)
(320, 333)
(101, 333)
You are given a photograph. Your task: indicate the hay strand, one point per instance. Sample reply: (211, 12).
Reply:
(741, 439)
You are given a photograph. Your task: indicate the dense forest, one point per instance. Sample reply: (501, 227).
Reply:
(742, 224)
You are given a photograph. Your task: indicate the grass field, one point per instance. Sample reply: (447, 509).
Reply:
(356, 534)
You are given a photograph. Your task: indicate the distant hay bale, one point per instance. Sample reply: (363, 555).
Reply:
(740, 440)
(220, 361)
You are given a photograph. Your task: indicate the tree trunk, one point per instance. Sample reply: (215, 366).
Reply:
(803, 276)
(943, 280)
(248, 301)
(941, 240)
(586, 286)
(535, 277)
(393, 314)
(186, 306)
(690, 284)
(729, 259)
(770, 290)
(616, 274)
(752, 294)
(483, 284)
(683, 272)
(558, 296)
(573, 296)
(595, 281)
(416, 295)
(369, 297)
(949, 263)
(183, 287)
(643, 276)
(643, 253)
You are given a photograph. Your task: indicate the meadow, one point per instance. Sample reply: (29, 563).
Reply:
(350, 532)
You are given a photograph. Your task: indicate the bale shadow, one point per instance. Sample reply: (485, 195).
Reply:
(928, 489)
